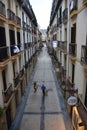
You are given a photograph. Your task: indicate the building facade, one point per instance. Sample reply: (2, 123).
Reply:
(68, 26)
(18, 55)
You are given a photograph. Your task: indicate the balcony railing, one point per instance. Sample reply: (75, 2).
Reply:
(59, 21)
(73, 6)
(24, 25)
(21, 72)
(82, 112)
(64, 46)
(26, 65)
(16, 80)
(84, 54)
(11, 15)
(65, 14)
(25, 45)
(18, 20)
(2, 9)
(72, 49)
(7, 93)
(4, 53)
(69, 84)
(14, 50)
(63, 71)
(85, 2)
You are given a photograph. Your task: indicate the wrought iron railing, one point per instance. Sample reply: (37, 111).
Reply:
(85, 2)
(65, 14)
(25, 45)
(2, 9)
(64, 46)
(11, 15)
(84, 54)
(59, 21)
(82, 112)
(26, 65)
(8, 93)
(16, 80)
(72, 49)
(21, 72)
(18, 20)
(24, 25)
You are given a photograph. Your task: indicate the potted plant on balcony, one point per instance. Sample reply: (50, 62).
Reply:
(1, 112)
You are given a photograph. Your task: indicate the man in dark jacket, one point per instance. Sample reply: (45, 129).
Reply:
(43, 88)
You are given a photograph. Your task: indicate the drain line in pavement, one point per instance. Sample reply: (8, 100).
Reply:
(42, 113)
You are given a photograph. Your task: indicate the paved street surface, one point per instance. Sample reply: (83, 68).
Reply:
(38, 112)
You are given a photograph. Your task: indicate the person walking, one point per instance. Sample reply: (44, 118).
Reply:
(43, 88)
(35, 86)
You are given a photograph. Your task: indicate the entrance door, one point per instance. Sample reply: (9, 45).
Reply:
(8, 116)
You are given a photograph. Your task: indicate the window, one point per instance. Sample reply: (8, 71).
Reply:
(2, 37)
(4, 79)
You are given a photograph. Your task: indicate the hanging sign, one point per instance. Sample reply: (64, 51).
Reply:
(54, 44)
(72, 100)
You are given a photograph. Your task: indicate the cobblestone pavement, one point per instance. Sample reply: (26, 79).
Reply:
(38, 112)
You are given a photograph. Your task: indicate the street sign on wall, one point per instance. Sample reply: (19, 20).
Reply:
(72, 100)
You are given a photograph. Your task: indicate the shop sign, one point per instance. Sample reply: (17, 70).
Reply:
(72, 100)
(54, 44)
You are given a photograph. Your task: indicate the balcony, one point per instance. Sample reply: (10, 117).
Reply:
(62, 46)
(24, 25)
(16, 80)
(63, 71)
(2, 9)
(73, 8)
(11, 15)
(21, 73)
(65, 14)
(72, 49)
(18, 21)
(69, 84)
(4, 53)
(8, 93)
(26, 65)
(59, 21)
(84, 54)
(82, 112)
(25, 45)
(85, 2)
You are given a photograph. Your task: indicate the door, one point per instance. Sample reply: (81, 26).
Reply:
(73, 70)
(73, 34)
(8, 117)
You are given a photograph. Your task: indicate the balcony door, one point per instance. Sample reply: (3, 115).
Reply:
(73, 72)
(8, 117)
(12, 37)
(2, 37)
(18, 37)
(73, 34)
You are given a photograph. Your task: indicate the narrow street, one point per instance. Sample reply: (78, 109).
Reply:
(38, 112)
